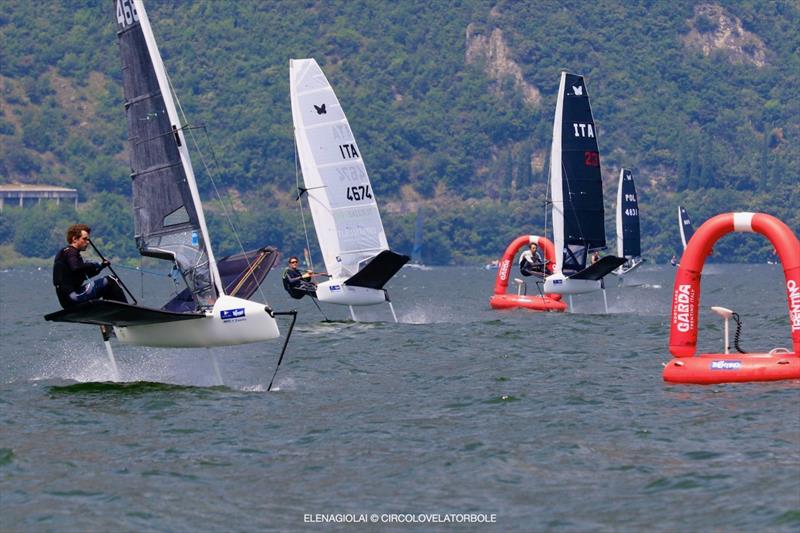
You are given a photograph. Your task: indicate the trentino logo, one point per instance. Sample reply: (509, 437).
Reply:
(335, 288)
(726, 365)
(230, 314)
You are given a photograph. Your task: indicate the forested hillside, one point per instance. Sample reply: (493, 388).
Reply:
(451, 103)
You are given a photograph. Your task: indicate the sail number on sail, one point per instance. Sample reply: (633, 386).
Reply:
(358, 192)
(126, 12)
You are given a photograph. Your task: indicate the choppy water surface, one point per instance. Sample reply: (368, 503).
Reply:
(555, 422)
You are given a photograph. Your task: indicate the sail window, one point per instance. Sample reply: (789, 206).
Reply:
(179, 216)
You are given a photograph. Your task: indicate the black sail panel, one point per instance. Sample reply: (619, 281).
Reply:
(631, 246)
(582, 186)
(165, 217)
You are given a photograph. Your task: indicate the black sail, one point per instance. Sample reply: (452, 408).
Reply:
(167, 223)
(581, 186)
(685, 226)
(628, 216)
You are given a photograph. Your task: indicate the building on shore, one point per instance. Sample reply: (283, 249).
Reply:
(22, 194)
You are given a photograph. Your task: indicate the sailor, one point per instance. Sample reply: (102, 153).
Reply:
(531, 262)
(72, 275)
(297, 283)
(595, 257)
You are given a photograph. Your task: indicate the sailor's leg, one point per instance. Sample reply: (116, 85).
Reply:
(112, 290)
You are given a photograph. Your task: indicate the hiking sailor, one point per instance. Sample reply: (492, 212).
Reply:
(297, 283)
(72, 275)
(531, 262)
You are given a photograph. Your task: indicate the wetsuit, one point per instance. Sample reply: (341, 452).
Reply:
(531, 264)
(71, 277)
(296, 286)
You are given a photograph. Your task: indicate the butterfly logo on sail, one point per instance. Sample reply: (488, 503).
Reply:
(577, 91)
(320, 109)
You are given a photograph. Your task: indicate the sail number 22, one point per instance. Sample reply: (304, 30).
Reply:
(126, 12)
(358, 192)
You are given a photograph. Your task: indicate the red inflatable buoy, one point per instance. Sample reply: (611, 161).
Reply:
(723, 368)
(545, 302)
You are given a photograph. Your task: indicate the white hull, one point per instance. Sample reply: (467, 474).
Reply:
(559, 284)
(621, 271)
(336, 292)
(231, 321)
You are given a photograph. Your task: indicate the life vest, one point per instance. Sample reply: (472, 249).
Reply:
(294, 292)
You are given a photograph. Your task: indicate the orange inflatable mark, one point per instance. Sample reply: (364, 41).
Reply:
(504, 269)
(686, 293)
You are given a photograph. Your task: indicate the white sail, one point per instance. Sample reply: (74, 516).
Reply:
(556, 188)
(340, 196)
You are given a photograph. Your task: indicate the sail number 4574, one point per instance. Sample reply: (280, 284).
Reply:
(358, 192)
(126, 12)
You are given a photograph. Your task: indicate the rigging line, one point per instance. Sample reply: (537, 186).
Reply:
(144, 271)
(213, 182)
(302, 211)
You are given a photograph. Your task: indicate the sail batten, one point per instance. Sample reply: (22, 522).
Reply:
(168, 216)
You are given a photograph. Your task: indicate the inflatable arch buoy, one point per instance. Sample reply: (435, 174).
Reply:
(686, 367)
(501, 300)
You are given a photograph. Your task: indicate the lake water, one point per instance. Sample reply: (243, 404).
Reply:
(549, 422)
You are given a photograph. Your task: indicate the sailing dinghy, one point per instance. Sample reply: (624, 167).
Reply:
(213, 309)
(628, 237)
(340, 196)
(576, 193)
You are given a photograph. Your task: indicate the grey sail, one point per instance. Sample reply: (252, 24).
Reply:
(169, 223)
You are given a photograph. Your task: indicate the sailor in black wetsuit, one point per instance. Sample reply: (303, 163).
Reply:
(72, 275)
(531, 262)
(296, 283)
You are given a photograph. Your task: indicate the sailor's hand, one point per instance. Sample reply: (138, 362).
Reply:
(105, 263)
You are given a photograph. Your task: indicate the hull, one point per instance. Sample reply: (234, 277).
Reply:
(559, 284)
(336, 292)
(231, 321)
(621, 271)
(710, 368)
(520, 301)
